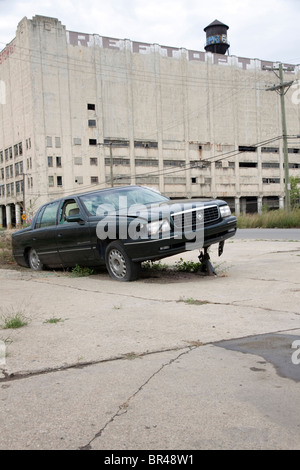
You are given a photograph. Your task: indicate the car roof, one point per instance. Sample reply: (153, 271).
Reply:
(70, 196)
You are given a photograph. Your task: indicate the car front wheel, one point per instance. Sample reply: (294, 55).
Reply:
(34, 260)
(119, 265)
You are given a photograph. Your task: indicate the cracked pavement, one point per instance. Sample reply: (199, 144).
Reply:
(166, 362)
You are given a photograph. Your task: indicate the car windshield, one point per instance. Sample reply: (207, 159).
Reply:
(121, 198)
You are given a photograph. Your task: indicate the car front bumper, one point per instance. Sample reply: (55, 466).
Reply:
(155, 249)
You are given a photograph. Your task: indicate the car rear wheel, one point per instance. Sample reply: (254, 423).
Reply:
(119, 265)
(34, 260)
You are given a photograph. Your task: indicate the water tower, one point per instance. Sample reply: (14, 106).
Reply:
(216, 37)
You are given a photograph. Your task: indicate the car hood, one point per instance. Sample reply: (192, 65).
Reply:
(166, 209)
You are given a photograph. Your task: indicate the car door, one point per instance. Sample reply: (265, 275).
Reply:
(43, 237)
(73, 237)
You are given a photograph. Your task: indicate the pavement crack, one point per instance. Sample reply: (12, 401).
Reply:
(123, 408)
(105, 292)
(8, 377)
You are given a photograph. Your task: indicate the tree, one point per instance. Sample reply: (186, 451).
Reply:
(295, 192)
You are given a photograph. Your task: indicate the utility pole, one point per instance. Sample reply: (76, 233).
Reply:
(24, 182)
(282, 89)
(111, 165)
(110, 144)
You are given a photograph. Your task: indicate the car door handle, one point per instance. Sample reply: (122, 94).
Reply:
(60, 235)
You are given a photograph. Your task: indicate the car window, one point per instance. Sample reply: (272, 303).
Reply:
(48, 217)
(69, 208)
(118, 199)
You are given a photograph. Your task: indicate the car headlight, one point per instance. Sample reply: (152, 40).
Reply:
(225, 211)
(157, 227)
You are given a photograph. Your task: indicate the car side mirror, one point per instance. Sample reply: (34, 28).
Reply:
(75, 218)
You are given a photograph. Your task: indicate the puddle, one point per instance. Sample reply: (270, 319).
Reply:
(274, 348)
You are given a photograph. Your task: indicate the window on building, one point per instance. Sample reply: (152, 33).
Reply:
(91, 106)
(117, 142)
(270, 165)
(248, 164)
(59, 180)
(294, 165)
(49, 141)
(245, 148)
(10, 152)
(94, 161)
(20, 145)
(50, 181)
(194, 180)
(94, 179)
(271, 180)
(58, 162)
(57, 142)
(1, 157)
(50, 162)
(174, 162)
(145, 162)
(92, 122)
(145, 144)
(293, 150)
(270, 149)
(92, 141)
(118, 161)
(6, 154)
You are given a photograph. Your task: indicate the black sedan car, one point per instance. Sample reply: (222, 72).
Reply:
(120, 227)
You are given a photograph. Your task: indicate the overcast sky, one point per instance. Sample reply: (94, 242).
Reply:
(263, 29)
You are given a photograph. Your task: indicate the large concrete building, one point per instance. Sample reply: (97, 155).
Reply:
(79, 111)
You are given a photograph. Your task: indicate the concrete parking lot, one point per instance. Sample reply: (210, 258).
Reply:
(174, 361)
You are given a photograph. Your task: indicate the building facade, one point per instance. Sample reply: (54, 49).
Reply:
(81, 111)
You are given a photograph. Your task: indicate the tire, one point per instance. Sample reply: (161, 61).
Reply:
(34, 260)
(120, 267)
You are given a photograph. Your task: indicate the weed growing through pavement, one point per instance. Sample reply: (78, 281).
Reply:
(155, 265)
(191, 301)
(188, 266)
(54, 320)
(80, 271)
(13, 320)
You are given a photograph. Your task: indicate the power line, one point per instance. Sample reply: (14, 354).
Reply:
(182, 168)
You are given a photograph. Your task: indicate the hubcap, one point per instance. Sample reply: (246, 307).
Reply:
(34, 260)
(117, 263)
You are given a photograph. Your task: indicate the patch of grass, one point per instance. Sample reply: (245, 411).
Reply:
(6, 256)
(188, 266)
(155, 265)
(14, 321)
(270, 219)
(80, 271)
(53, 320)
(191, 301)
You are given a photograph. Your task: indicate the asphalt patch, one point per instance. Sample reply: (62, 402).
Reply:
(281, 350)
